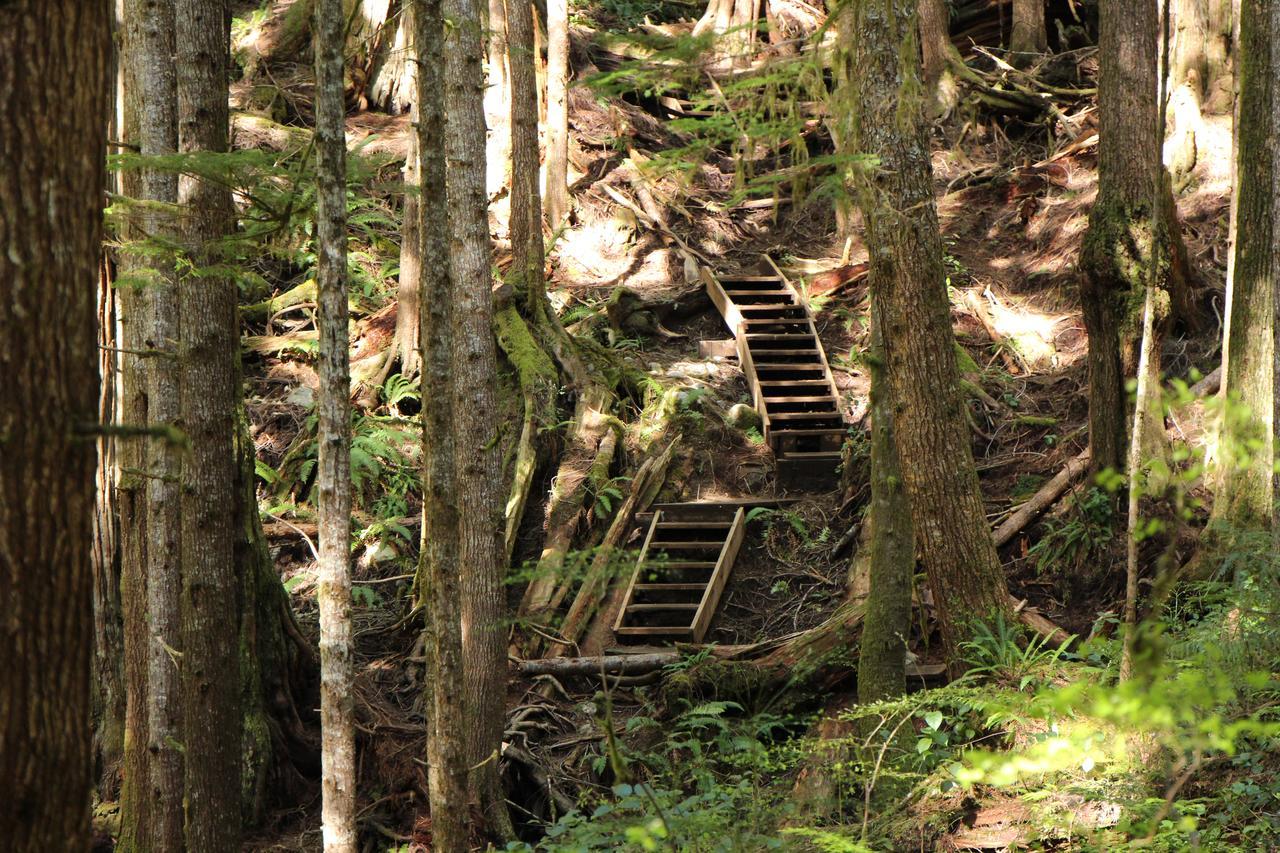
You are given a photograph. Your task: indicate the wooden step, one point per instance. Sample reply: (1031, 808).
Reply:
(804, 338)
(694, 525)
(686, 546)
(752, 297)
(669, 587)
(679, 564)
(653, 608)
(795, 383)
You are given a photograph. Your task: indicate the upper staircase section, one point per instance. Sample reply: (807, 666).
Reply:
(786, 369)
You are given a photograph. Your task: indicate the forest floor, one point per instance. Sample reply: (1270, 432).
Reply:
(1013, 209)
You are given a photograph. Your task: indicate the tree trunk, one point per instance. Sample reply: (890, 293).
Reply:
(408, 300)
(333, 480)
(1246, 440)
(882, 656)
(901, 219)
(54, 59)
(158, 134)
(135, 821)
(557, 193)
(1117, 254)
(526, 207)
(939, 55)
(497, 95)
(210, 398)
(439, 564)
(479, 492)
(1028, 39)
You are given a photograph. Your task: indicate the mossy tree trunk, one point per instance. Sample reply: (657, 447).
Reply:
(882, 657)
(439, 563)
(901, 220)
(1246, 450)
(1128, 230)
(54, 59)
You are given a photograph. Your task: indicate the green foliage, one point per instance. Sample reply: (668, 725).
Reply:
(1082, 534)
(997, 651)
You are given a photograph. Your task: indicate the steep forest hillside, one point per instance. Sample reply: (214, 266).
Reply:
(640, 424)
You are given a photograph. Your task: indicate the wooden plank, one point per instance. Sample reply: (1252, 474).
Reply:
(726, 348)
(669, 587)
(649, 631)
(724, 565)
(635, 574)
(695, 525)
(701, 543)
(817, 398)
(728, 310)
(658, 608)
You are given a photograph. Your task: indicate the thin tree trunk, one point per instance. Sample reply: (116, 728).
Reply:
(479, 493)
(158, 134)
(526, 207)
(333, 481)
(210, 392)
(54, 79)
(901, 218)
(439, 567)
(1275, 263)
(557, 194)
(1028, 39)
(882, 664)
(497, 95)
(135, 819)
(1141, 410)
(1246, 442)
(408, 300)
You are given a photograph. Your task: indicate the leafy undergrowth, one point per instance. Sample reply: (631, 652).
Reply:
(1036, 747)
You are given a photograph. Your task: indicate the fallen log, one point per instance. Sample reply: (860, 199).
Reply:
(1042, 499)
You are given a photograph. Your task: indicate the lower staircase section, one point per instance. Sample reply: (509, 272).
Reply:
(786, 369)
(684, 564)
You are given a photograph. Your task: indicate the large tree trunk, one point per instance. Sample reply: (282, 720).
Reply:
(155, 83)
(1246, 442)
(1028, 39)
(210, 398)
(439, 564)
(480, 493)
(557, 192)
(901, 220)
(1119, 247)
(54, 60)
(882, 657)
(333, 480)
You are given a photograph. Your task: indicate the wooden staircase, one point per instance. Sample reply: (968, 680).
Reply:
(685, 561)
(786, 368)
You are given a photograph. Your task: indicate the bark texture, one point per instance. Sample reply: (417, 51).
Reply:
(54, 59)
(1117, 253)
(438, 571)
(135, 319)
(526, 203)
(333, 481)
(557, 194)
(158, 136)
(210, 398)
(1246, 448)
(480, 494)
(902, 227)
(1028, 38)
(882, 664)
